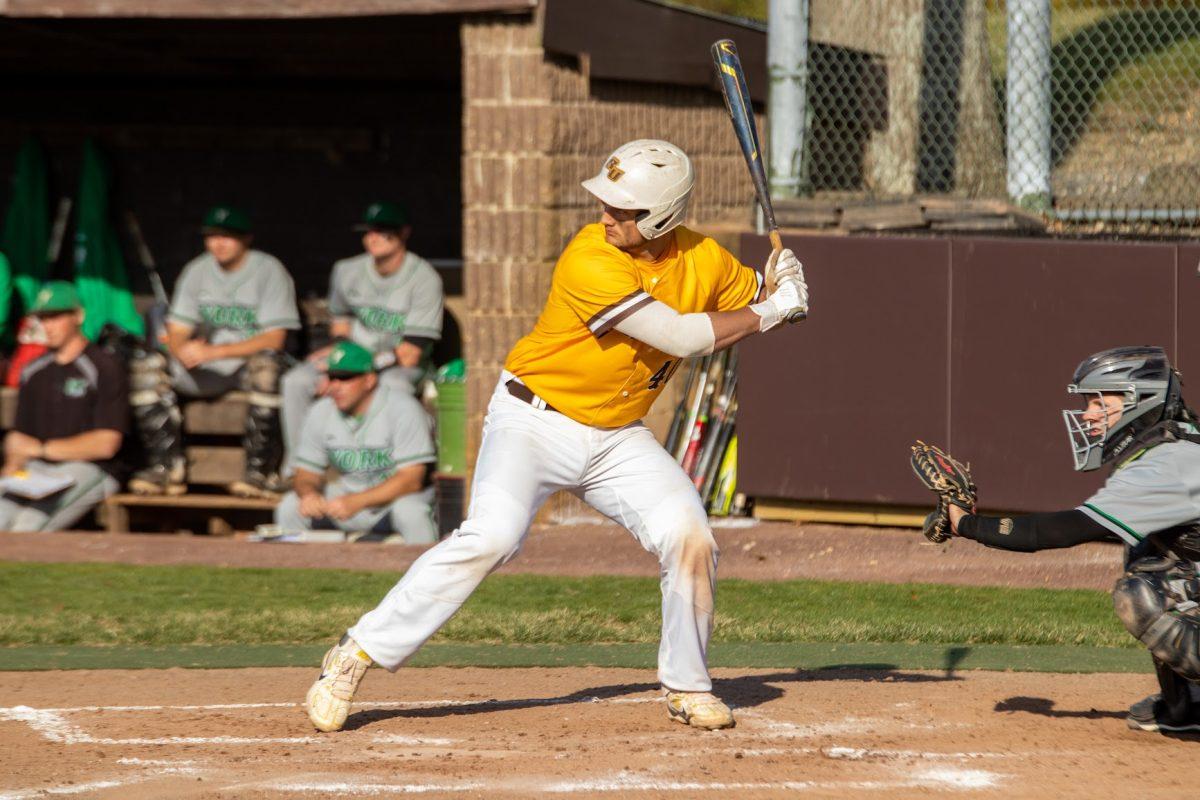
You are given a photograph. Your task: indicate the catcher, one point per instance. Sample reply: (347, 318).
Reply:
(1135, 418)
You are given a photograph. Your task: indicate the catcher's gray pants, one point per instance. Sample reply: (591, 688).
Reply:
(299, 390)
(411, 516)
(62, 509)
(527, 454)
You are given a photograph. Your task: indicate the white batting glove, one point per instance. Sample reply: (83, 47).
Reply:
(785, 263)
(790, 297)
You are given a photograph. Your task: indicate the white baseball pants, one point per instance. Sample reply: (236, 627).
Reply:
(526, 455)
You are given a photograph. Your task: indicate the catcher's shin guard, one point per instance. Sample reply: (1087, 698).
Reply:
(329, 698)
(159, 425)
(1157, 600)
(263, 442)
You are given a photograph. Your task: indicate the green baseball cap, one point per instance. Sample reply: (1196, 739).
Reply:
(55, 297)
(349, 360)
(225, 219)
(383, 216)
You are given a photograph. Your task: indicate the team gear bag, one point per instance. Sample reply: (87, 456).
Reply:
(950, 480)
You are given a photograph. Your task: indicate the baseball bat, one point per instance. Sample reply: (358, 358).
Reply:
(58, 231)
(694, 401)
(741, 113)
(681, 409)
(156, 317)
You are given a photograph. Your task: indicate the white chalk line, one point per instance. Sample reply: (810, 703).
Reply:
(929, 778)
(843, 753)
(151, 768)
(537, 701)
(74, 788)
(53, 726)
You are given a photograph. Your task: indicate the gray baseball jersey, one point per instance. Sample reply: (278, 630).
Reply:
(1157, 491)
(394, 433)
(385, 309)
(234, 306)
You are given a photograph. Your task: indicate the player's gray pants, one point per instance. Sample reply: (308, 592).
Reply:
(204, 383)
(411, 516)
(526, 455)
(62, 509)
(299, 390)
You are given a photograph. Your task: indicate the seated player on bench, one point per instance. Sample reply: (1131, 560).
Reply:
(230, 314)
(376, 438)
(387, 299)
(72, 417)
(1135, 417)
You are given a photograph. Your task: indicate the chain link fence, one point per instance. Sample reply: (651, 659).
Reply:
(1084, 109)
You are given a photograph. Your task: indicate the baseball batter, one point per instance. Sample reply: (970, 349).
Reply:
(387, 299)
(631, 297)
(376, 438)
(1134, 416)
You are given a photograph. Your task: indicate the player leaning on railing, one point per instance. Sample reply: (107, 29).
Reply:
(1134, 416)
(632, 295)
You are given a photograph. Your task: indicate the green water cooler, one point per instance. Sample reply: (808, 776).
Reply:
(451, 476)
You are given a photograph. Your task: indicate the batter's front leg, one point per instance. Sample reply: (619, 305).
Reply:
(525, 455)
(635, 482)
(640, 486)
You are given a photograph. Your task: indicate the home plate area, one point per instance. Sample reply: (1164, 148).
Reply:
(584, 732)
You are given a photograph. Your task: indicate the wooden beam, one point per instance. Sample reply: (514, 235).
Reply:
(839, 513)
(252, 9)
(8, 407)
(214, 466)
(213, 501)
(225, 415)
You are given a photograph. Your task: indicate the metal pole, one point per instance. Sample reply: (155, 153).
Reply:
(1028, 103)
(787, 97)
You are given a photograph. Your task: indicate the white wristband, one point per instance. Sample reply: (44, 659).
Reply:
(769, 313)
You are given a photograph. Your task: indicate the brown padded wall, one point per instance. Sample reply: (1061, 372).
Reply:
(1188, 293)
(967, 343)
(825, 404)
(1026, 313)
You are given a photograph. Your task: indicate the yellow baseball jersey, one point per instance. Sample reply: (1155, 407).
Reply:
(577, 362)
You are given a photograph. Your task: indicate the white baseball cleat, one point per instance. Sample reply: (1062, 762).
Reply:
(328, 701)
(698, 709)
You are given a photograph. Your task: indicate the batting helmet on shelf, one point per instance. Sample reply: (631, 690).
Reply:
(650, 175)
(1150, 393)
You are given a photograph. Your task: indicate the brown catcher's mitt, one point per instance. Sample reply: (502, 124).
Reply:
(950, 480)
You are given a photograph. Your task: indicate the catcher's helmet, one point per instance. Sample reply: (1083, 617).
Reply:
(650, 175)
(1150, 393)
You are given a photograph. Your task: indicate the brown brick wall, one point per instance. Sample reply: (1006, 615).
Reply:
(534, 127)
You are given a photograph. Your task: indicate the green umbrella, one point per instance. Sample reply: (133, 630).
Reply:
(99, 266)
(25, 235)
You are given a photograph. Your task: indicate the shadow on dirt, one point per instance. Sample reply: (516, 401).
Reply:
(1045, 707)
(746, 691)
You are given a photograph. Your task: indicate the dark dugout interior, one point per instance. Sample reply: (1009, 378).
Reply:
(302, 122)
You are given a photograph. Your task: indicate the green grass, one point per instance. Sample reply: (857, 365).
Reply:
(874, 656)
(108, 604)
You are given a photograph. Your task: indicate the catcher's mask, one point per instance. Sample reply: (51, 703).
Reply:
(1150, 393)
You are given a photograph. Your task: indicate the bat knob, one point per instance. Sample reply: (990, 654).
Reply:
(797, 316)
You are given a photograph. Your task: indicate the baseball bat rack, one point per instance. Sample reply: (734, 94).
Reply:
(702, 437)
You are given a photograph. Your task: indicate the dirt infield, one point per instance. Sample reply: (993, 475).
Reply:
(584, 733)
(749, 550)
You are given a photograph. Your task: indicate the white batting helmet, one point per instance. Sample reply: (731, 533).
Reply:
(647, 174)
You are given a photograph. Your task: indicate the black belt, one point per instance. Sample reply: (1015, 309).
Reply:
(525, 394)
